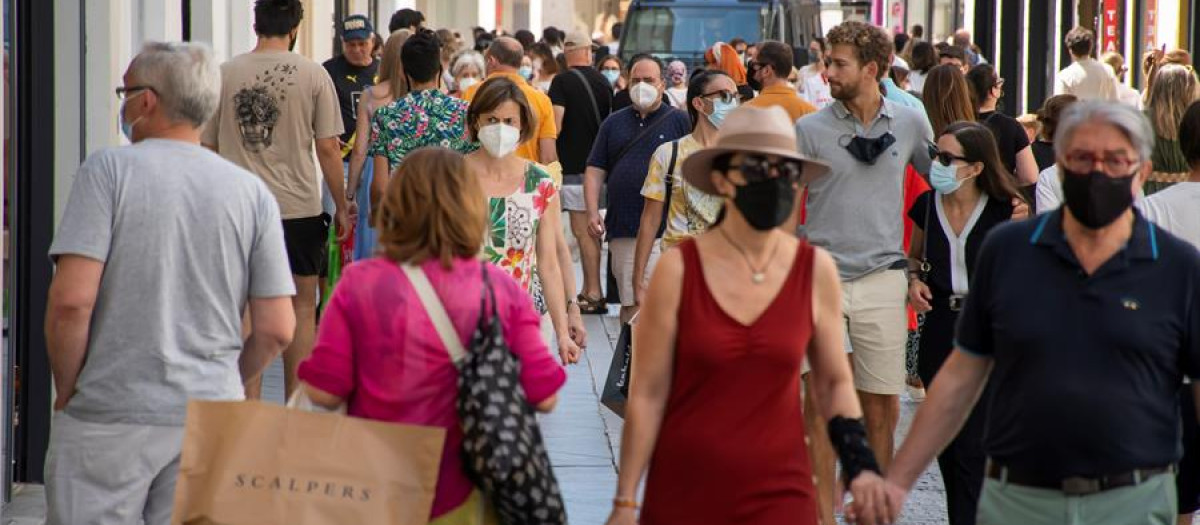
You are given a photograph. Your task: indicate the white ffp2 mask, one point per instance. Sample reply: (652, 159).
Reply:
(643, 95)
(499, 139)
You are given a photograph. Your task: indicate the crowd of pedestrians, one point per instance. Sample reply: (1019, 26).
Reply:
(782, 240)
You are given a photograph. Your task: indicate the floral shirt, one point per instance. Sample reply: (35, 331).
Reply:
(690, 211)
(421, 118)
(513, 226)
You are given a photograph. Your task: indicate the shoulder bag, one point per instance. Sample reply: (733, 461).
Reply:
(503, 452)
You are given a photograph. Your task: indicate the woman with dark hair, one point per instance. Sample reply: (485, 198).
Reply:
(1043, 147)
(986, 89)
(924, 58)
(813, 85)
(544, 66)
(710, 96)
(972, 193)
(613, 70)
(947, 98)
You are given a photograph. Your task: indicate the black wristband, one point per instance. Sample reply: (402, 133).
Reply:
(849, 438)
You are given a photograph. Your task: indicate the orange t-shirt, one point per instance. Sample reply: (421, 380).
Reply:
(543, 114)
(785, 97)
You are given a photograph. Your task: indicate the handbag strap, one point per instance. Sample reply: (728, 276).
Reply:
(591, 95)
(644, 133)
(436, 311)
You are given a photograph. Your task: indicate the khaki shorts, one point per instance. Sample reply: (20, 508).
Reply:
(877, 328)
(622, 262)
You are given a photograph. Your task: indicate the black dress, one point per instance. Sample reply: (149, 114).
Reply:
(1043, 154)
(1010, 137)
(963, 460)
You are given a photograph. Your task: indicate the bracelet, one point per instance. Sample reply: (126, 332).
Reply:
(849, 438)
(625, 503)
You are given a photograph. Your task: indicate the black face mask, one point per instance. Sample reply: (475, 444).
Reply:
(1094, 198)
(752, 77)
(867, 150)
(766, 204)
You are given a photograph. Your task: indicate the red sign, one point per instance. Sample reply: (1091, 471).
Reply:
(1111, 27)
(1151, 27)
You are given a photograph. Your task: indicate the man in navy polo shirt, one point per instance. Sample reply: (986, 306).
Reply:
(621, 159)
(1085, 320)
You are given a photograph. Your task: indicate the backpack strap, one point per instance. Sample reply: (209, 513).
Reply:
(436, 311)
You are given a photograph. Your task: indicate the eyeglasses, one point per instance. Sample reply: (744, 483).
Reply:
(1084, 161)
(723, 96)
(124, 92)
(758, 168)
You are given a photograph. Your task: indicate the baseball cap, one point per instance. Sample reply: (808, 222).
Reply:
(576, 40)
(357, 27)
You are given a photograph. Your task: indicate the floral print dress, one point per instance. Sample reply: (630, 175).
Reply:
(513, 226)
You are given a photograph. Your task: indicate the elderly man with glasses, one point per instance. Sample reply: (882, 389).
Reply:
(1084, 321)
(162, 246)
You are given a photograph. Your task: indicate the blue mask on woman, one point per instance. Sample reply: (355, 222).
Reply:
(720, 110)
(611, 75)
(943, 178)
(526, 72)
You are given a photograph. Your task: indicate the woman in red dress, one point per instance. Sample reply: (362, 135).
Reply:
(714, 412)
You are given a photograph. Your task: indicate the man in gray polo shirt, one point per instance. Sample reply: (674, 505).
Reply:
(855, 213)
(162, 246)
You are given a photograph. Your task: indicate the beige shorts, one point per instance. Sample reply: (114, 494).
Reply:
(877, 329)
(622, 261)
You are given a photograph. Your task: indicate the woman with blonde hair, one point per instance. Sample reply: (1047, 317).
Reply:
(1174, 89)
(378, 351)
(389, 86)
(947, 98)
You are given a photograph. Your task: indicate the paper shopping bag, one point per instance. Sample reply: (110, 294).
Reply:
(262, 464)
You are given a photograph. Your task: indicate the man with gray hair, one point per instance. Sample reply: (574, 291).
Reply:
(1085, 321)
(162, 246)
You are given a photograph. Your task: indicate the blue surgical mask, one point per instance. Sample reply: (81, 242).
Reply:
(943, 178)
(526, 72)
(720, 110)
(611, 75)
(126, 127)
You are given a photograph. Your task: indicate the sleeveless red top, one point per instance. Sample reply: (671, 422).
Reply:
(731, 447)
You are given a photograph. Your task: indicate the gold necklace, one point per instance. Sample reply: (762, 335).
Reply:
(757, 276)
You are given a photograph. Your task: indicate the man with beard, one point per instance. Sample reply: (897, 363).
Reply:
(854, 213)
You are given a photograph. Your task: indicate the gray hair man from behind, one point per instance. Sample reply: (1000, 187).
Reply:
(162, 245)
(186, 77)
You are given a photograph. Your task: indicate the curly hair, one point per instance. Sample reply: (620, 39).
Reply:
(871, 44)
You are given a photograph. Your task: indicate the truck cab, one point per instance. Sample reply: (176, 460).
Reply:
(684, 29)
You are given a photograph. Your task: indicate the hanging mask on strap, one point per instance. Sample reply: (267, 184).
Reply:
(867, 150)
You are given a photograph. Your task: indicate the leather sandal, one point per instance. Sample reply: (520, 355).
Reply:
(588, 306)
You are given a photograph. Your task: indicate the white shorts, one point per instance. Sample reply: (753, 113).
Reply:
(117, 474)
(572, 198)
(622, 266)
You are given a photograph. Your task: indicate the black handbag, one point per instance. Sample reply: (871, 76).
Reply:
(616, 385)
(503, 452)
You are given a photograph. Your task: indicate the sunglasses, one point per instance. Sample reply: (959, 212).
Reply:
(723, 96)
(944, 157)
(758, 168)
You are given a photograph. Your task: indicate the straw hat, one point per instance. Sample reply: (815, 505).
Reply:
(766, 131)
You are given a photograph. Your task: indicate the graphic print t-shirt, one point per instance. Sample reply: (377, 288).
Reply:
(273, 106)
(350, 81)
